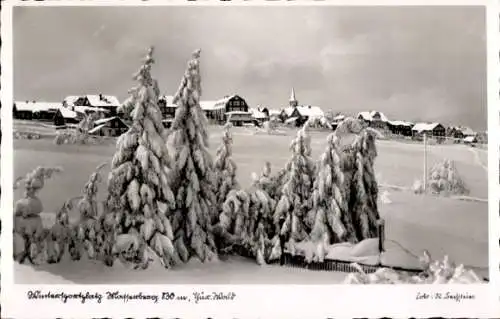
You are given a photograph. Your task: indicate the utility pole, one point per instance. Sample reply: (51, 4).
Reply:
(425, 163)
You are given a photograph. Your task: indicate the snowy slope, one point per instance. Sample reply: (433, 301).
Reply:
(236, 270)
(25, 274)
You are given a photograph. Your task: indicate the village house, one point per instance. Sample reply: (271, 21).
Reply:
(298, 114)
(261, 115)
(41, 111)
(274, 114)
(233, 103)
(113, 126)
(467, 131)
(23, 110)
(87, 110)
(103, 102)
(455, 132)
(65, 116)
(460, 133)
(215, 113)
(230, 108)
(167, 106)
(239, 118)
(470, 140)
(335, 120)
(374, 119)
(402, 128)
(429, 129)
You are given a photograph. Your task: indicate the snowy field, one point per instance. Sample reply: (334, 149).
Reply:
(441, 225)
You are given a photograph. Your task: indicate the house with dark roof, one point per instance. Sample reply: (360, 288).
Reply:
(66, 116)
(113, 126)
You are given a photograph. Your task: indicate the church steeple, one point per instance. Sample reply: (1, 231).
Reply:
(293, 101)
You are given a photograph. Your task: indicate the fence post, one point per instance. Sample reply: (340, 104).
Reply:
(425, 163)
(381, 234)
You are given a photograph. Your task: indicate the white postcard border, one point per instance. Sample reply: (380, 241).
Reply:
(269, 300)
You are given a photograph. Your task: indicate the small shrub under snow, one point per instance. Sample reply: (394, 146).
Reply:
(443, 179)
(435, 272)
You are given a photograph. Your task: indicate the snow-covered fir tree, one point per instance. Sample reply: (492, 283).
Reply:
(271, 182)
(193, 172)
(225, 167)
(246, 222)
(260, 228)
(344, 199)
(329, 216)
(28, 227)
(294, 203)
(364, 188)
(139, 196)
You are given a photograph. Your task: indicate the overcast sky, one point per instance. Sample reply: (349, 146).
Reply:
(426, 63)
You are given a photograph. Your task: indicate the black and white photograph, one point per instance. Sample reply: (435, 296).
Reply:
(250, 145)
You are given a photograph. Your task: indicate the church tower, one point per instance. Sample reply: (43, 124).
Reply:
(293, 101)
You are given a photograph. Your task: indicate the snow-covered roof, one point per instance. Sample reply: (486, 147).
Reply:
(470, 139)
(169, 99)
(311, 111)
(369, 116)
(103, 100)
(67, 113)
(205, 105)
(211, 106)
(258, 114)
(94, 100)
(467, 131)
(290, 120)
(97, 128)
(288, 110)
(274, 112)
(70, 100)
(424, 127)
(37, 106)
(222, 102)
(400, 123)
(109, 119)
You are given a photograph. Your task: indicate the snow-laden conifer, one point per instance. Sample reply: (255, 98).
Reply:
(294, 203)
(271, 182)
(261, 228)
(444, 179)
(29, 239)
(246, 221)
(344, 198)
(140, 199)
(84, 234)
(225, 167)
(364, 191)
(329, 216)
(193, 171)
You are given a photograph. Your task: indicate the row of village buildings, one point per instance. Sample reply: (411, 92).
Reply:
(232, 108)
